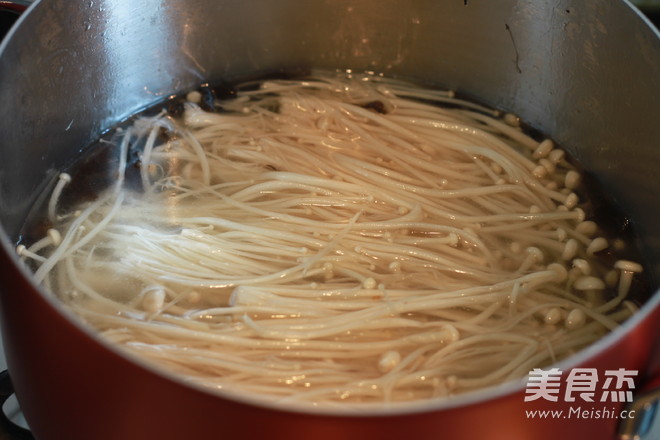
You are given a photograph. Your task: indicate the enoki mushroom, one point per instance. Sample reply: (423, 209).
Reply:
(344, 238)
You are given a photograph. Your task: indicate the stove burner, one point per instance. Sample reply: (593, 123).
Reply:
(15, 431)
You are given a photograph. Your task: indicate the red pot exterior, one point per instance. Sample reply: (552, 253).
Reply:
(71, 387)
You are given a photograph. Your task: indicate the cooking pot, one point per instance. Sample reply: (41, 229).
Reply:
(586, 73)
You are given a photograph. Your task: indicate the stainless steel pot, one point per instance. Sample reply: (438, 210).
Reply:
(585, 72)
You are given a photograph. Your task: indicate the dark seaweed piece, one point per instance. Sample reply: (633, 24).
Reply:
(207, 103)
(377, 106)
(296, 73)
(175, 107)
(224, 90)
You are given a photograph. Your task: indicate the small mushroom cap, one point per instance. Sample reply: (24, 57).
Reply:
(587, 228)
(55, 236)
(628, 266)
(575, 319)
(560, 270)
(597, 244)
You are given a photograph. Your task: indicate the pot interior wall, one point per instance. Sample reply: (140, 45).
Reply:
(586, 73)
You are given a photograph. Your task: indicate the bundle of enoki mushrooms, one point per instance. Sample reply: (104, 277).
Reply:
(342, 238)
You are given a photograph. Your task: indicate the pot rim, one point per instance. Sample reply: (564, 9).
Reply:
(350, 410)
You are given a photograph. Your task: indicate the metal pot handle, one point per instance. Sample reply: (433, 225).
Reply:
(9, 13)
(18, 6)
(14, 431)
(646, 408)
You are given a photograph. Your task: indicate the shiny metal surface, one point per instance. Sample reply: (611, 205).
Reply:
(641, 427)
(586, 73)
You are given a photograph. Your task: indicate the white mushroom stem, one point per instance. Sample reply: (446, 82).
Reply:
(53, 237)
(628, 270)
(24, 252)
(62, 181)
(592, 288)
(632, 307)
